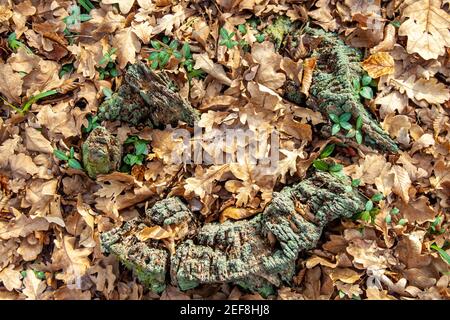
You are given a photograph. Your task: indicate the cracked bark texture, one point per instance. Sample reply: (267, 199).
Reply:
(258, 254)
(331, 90)
(147, 98)
(102, 152)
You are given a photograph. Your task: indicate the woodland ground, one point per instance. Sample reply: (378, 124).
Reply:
(60, 59)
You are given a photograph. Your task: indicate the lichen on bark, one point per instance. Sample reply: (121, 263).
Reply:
(331, 91)
(258, 254)
(148, 98)
(101, 152)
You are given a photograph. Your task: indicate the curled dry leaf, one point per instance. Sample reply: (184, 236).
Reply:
(308, 68)
(202, 61)
(388, 42)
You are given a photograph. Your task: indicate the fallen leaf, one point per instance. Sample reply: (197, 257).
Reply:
(379, 64)
(202, 61)
(236, 213)
(426, 28)
(155, 232)
(10, 83)
(127, 44)
(33, 286)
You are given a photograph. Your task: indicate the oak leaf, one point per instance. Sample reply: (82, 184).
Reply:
(127, 44)
(10, 278)
(33, 286)
(379, 64)
(10, 83)
(202, 61)
(427, 28)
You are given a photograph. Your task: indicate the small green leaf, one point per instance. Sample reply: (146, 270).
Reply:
(186, 50)
(335, 167)
(395, 211)
(388, 218)
(366, 80)
(131, 139)
(396, 24)
(327, 151)
(377, 197)
(40, 275)
(356, 84)
(60, 155)
(260, 37)
(359, 122)
(346, 125)
(358, 136)
(242, 29)
(107, 92)
(178, 55)
(140, 147)
(345, 117)
(365, 216)
(444, 255)
(173, 44)
(366, 92)
(356, 182)
(350, 133)
(334, 118)
(224, 33)
(73, 163)
(320, 165)
(155, 44)
(154, 64)
(72, 152)
(153, 55)
(369, 205)
(402, 222)
(335, 129)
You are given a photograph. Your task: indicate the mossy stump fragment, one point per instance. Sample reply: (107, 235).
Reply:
(101, 152)
(258, 254)
(331, 91)
(147, 98)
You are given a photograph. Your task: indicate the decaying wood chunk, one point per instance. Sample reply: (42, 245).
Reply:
(147, 98)
(332, 89)
(241, 251)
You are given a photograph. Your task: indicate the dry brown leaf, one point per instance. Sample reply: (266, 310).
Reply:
(430, 90)
(308, 68)
(35, 141)
(124, 5)
(11, 278)
(10, 83)
(236, 213)
(22, 226)
(345, 275)
(155, 232)
(33, 286)
(315, 260)
(202, 61)
(128, 45)
(388, 42)
(427, 28)
(379, 64)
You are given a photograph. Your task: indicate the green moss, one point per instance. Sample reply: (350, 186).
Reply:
(278, 30)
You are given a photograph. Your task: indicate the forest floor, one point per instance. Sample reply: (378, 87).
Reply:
(60, 59)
